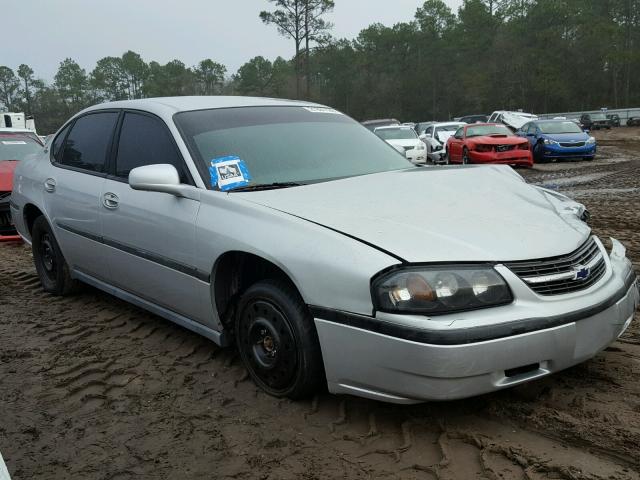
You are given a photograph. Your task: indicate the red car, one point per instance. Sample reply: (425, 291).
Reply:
(15, 145)
(488, 143)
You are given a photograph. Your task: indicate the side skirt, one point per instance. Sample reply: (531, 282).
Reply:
(219, 338)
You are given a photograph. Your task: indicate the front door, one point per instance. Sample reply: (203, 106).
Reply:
(150, 236)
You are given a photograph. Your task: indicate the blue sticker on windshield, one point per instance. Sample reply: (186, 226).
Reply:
(228, 173)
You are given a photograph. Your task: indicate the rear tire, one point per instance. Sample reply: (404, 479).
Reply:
(50, 264)
(277, 340)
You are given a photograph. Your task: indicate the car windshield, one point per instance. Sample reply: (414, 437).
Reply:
(559, 127)
(396, 133)
(17, 146)
(598, 116)
(488, 130)
(287, 144)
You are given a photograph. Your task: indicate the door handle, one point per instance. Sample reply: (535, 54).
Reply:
(110, 200)
(50, 185)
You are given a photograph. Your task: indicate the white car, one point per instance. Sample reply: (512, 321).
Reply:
(435, 137)
(514, 120)
(404, 137)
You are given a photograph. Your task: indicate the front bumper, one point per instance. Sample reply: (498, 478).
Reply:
(510, 157)
(416, 156)
(387, 366)
(558, 151)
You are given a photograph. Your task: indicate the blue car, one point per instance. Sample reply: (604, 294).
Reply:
(554, 139)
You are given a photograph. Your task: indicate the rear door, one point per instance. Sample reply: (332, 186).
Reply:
(72, 191)
(150, 236)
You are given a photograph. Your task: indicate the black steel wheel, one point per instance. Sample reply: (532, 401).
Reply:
(277, 341)
(49, 261)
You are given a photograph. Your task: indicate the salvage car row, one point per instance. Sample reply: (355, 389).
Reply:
(458, 142)
(324, 268)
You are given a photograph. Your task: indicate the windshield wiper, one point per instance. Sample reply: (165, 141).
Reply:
(267, 186)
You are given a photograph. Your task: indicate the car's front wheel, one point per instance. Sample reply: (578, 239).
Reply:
(277, 340)
(50, 264)
(466, 159)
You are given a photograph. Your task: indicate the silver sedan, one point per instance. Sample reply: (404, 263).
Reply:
(292, 231)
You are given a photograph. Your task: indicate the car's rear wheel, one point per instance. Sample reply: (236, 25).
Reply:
(277, 340)
(50, 264)
(466, 159)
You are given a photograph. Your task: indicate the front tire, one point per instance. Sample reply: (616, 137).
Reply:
(278, 342)
(50, 264)
(466, 160)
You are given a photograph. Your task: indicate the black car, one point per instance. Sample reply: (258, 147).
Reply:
(633, 122)
(614, 119)
(474, 119)
(595, 121)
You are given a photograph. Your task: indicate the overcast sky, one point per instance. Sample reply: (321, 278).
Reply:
(42, 33)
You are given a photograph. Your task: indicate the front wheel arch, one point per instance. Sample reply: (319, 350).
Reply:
(236, 271)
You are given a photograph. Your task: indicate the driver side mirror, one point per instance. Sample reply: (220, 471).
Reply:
(162, 178)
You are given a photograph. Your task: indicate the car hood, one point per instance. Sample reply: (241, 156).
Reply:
(567, 137)
(476, 213)
(410, 142)
(7, 167)
(497, 140)
(515, 120)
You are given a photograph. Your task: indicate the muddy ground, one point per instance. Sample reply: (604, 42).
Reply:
(93, 388)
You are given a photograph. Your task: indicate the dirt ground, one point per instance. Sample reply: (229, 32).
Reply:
(93, 388)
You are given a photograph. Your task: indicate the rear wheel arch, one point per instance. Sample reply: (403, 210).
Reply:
(30, 213)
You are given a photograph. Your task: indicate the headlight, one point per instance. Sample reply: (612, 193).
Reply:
(420, 146)
(548, 141)
(435, 148)
(591, 141)
(440, 290)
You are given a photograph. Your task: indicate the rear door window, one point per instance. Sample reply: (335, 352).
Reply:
(88, 142)
(145, 140)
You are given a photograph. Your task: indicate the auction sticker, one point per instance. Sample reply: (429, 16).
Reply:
(228, 173)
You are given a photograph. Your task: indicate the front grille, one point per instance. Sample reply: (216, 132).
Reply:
(505, 148)
(4, 195)
(572, 144)
(563, 274)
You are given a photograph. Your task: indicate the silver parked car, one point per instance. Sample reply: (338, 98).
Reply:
(293, 231)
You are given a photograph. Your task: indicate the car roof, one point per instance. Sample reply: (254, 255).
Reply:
(16, 130)
(171, 105)
(445, 124)
(394, 127)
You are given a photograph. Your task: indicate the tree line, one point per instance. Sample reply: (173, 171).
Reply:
(539, 55)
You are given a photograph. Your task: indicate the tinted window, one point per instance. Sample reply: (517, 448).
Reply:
(88, 142)
(56, 147)
(144, 141)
